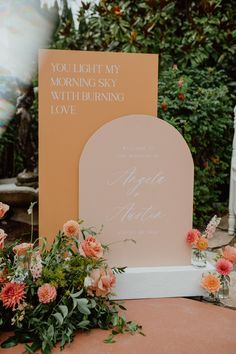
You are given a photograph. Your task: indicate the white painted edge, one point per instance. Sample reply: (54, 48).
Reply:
(157, 282)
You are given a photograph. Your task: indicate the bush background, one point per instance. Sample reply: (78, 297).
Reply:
(196, 41)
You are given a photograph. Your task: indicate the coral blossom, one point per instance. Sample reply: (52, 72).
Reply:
(202, 244)
(102, 282)
(211, 283)
(3, 236)
(22, 248)
(193, 236)
(224, 266)
(91, 247)
(12, 294)
(47, 293)
(230, 253)
(71, 228)
(3, 209)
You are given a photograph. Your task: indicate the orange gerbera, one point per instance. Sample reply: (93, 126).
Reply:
(202, 244)
(211, 283)
(12, 294)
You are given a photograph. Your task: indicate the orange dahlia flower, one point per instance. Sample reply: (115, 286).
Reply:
(12, 294)
(211, 283)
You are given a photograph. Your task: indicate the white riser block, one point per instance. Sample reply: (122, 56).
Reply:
(153, 282)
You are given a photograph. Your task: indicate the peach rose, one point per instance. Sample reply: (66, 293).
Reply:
(230, 253)
(102, 282)
(91, 247)
(211, 283)
(3, 236)
(71, 228)
(202, 244)
(3, 209)
(22, 248)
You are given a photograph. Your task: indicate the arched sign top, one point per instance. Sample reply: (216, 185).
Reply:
(136, 178)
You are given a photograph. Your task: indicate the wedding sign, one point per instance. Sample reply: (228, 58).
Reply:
(136, 178)
(78, 93)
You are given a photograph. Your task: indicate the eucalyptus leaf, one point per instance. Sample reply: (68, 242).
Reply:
(10, 342)
(64, 310)
(59, 318)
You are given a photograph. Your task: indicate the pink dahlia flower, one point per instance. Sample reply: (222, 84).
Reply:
(12, 294)
(47, 293)
(224, 266)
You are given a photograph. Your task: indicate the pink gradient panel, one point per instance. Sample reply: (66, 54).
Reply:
(136, 178)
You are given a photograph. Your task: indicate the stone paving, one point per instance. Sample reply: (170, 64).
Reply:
(221, 239)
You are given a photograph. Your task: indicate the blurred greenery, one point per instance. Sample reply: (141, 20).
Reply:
(196, 41)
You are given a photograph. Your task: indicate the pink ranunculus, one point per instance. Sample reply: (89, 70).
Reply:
(224, 266)
(193, 236)
(71, 228)
(102, 282)
(22, 248)
(230, 253)
(47, 293)
(3, 236)
(3, 209)
(91, 247)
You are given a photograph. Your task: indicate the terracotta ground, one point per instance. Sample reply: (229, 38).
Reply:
(172, 326)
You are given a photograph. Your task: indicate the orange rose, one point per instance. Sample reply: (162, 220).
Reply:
(202, 244)
(3, 209)
(22, 248)
(211, 283)
(91, 247)
(102, 282)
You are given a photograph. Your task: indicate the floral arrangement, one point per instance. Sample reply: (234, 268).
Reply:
(199, 241)
(217, 284)
(48, 293)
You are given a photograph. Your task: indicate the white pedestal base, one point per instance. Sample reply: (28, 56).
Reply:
(151, 282)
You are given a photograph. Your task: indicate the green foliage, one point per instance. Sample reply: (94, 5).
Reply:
(74, 305)
(201, 110)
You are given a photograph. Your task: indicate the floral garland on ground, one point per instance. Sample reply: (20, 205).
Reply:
(47, 294)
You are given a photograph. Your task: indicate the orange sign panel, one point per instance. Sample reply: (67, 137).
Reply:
(78, 93)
